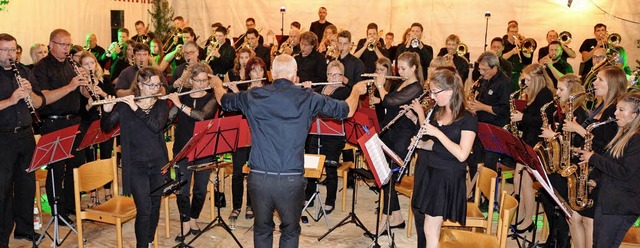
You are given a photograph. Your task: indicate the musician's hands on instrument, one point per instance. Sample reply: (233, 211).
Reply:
(571, 125)
(99, 91)
(360, 88)
(411, 114)
(306, 84)
(583, 155)
(175, 99)
(233, 87)
(475, 106)
(547, 133)
(17, 95)
(109, 106)
(178, 83)
(26, 85)
(517, 116)
(77, 81)
(131, 102)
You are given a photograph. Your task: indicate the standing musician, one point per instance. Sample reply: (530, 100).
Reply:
(388, 44)
(257, 69)
(115, 50)
(555, 65)
(142, 33)
(491, 104)
(143, 148)
(329, 145)
(353, 68)
(261, 51)
(589, 46)
(329, 40)
(505, 66)
(17, 187)
(222, 55)
(552, 36)
(283, 113)
(618, 199)
(539, 91)
(568, 85)
(37, 51)
(92, 46)
(450, 52)
(399, 134)
(383, 67)
(515, 55)
(191, 53)
(425, 51)
(59, 84)
(321, 24)
(311, 64)
(610, 85)
(250, 23)
(189, 109)
(141, 59)
(369, 57)
(440, 192)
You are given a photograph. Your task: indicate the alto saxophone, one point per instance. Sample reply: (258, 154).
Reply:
(549, 149)
(512, 127)
(566, 168)
(578, 182)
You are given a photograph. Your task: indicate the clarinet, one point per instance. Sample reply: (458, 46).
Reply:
(416, 140)
(93, 83)
(400, 114)
(93, 93)
(27, 99)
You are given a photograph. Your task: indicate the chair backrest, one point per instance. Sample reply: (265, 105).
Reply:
(170, 149)
(93, 175)
(507, 213)
(486, 184)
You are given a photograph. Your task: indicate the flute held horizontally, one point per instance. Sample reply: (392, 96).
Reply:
(242, 82)
(121, 99)
(321, 83)
(374, 75)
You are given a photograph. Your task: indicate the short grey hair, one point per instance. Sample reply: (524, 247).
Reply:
(490, 58)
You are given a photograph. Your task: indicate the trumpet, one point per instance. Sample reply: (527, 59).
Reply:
(213, 45)
(564, 37)
(415, 43)
(241, 82)
(284, 46)
(27, 99)
(372, 45)
(374, 75)
(518, 48)
(321, 83)
(121, 99)
(245, 45)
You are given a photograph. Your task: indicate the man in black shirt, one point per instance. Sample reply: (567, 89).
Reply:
(425, 51)
(318, 26)
(555, 65)
(17, 187)
(312, 66)
(283, 113)
(141, 53)
(450, 51)
(59, 84)
(388, 44)
(221, 57)
(250, 23)
(93, 47)
(142, 33)
(589, 46)
(191, 53)
(115, 50)
(369, 57)
(292, 44)
(261, 51)
(567, 52)
(505, 66)
(353, 67)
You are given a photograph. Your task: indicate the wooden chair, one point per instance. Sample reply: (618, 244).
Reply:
(116, 210)
(41, 179)
(486, 184)
(165, 199)
(632, 238)
(461, 238)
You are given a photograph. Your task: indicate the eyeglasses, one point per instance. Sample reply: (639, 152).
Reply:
(189, 52)
(200, 80)
(8, 50)
(152, 86)
(334, 74)
(434, 92)
(67, 45)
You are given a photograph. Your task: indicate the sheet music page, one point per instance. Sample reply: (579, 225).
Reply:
(378, 159)
(311, 162)
(550, 190)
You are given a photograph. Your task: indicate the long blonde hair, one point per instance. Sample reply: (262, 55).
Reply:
(616, 81)
(625, 133)
(539, 80)
(574, 86)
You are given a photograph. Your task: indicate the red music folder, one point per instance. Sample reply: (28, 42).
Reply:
(374, 152)
(244, 138)
(358, 125)
(95, 135)
(327, 126)
(225, 133)
(53, 147)
(197, 136)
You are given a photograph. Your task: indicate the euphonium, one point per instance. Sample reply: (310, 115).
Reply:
(566, 168)
(578, 182)
(613, 39)
(548, 149)
(512, 127)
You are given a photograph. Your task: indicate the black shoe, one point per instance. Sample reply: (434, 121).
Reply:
(528, 229)
(180, 239)
(249, 213)
(328, 211)
(195, 232)
(399, 226)
(28, 237)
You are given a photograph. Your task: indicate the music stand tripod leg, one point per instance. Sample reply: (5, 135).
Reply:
(55, 220)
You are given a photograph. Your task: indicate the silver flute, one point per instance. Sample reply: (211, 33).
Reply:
(400, 114)
(121, 99)
(186, 93)
(320, 83)
(374, 75)
(242, 82)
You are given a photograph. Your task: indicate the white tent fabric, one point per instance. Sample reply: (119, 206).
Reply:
(32, 20)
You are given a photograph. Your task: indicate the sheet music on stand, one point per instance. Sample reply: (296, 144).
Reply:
(544, 181)
(375, 152)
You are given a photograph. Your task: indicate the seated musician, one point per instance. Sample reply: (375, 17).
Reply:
(555, 65)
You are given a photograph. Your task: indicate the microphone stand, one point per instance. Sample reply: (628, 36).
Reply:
(487, 15)
(282, 11)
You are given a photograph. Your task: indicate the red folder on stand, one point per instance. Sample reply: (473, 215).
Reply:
(53, 147)
(95, 135)
(357, 126)
(327, 126)
(222, 138)
(375, 152)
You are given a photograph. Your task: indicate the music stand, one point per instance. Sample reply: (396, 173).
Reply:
(355, 127)
(53, 147)
(225, 138)
(313, 167)
(95, 135)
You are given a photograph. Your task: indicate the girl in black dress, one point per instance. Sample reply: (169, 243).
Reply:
(144, 151)
(618, 205)
(190, 109)
(398, 136)
(439, 192)
(539, 92)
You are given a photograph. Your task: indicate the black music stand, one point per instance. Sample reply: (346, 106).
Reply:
(354, 128)
(51, 148)
(224, 138)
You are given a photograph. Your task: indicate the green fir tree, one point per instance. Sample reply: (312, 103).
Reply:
(161, 17)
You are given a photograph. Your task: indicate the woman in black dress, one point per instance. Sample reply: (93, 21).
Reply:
(144, 151)
(439, 192)
(190, 109)
(539, 91)
(398, 136)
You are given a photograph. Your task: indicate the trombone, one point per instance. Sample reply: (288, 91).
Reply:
(373, 75)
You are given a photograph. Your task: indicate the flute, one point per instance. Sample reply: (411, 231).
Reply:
(401, 113)
(185, 93)
(320, 83)
(121, 99)
(373, 75)
(242, 82)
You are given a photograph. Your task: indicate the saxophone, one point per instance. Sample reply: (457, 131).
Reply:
(549, 149)
(577, 182)
(566, 168)
(512, 127)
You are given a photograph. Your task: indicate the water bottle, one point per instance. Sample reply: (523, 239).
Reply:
(37, 224)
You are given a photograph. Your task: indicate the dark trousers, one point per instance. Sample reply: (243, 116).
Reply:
(240, 157)
(62, 171)
(200, 180)
(331, 181)
(609, 229)
(284, 194)
(146, 177)
(17, 187)
(558, 226)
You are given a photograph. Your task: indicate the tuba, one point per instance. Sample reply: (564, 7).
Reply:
(613, 58)
(512, 127)
(549, 149)
(578, 181)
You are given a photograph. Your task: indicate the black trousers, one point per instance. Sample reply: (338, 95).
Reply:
(146, 177)
(283, 193)
(62, 171)
(240, 157)
(331, 147)
(191, 210)
(558, 226)
(17, 187)
(609, 229)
